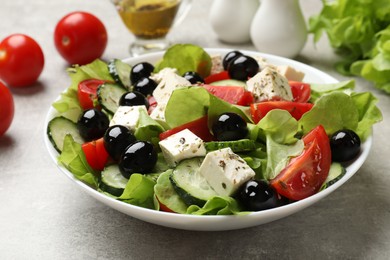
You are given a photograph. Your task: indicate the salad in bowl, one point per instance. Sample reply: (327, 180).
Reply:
(220, 139)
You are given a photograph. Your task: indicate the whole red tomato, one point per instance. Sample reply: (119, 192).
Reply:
(80, 38)
(21, 60)
(6, 108)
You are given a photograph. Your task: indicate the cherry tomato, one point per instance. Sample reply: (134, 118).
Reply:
(300, 91)
(87, 92)
(199, 127)
(21, 60)
(96, 154)
(260, 110)
(6, 108)
(305, 174)
(236, 95)
(80, 38)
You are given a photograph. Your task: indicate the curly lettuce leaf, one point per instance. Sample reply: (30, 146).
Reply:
(186, 57)
(359, 30)
(73, 159)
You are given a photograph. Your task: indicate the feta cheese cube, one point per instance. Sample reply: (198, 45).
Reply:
(127, 116)
(168, 80)
(268, 85)
(225, 171)
(158, 112)
(182, 145)
(290, 73)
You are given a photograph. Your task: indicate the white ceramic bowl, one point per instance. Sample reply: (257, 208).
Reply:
(215, 223)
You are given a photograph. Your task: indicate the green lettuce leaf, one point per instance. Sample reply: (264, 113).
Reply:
(186, 57)
(139, 191)
(73, 159)
(148, 129)
(369, 113)
(280, 129)
(167, 195)
(318, 90)
(68, 104)
(333, 111)
(217, 206)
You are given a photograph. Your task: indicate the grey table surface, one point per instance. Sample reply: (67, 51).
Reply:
(45, 216)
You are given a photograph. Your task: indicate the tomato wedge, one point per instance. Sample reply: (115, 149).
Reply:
(305, 174)
(260, 110)
(300, 91)
(235, 95)
(87, 92)
(217, 77)
(199, 127)
(96, 154)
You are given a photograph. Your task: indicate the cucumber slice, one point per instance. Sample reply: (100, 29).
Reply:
(229, 82)
(189, 184)
(336, 172)
(167, 195)
(120, 71)
(58, 128)
(109, 95)
(243, 145)
(112, 180)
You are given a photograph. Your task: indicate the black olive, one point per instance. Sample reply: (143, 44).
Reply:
(141, 70)
(116, 139)
(133, 98)
(92, 124)
(345, 145)
(139, 157)
(193, 77)
(145, 86)
(229, 127)
(243, 67)
(229, 57)
(258, 195)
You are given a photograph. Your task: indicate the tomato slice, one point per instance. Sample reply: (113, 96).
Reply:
(235, 95)
(300, 91)
(96, 154)
(217, 77)
(199, 127)
(260, 110)
(305, 174)
(87, 92)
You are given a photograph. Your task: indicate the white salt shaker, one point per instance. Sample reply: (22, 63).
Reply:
(279, 28)
(231, 19)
